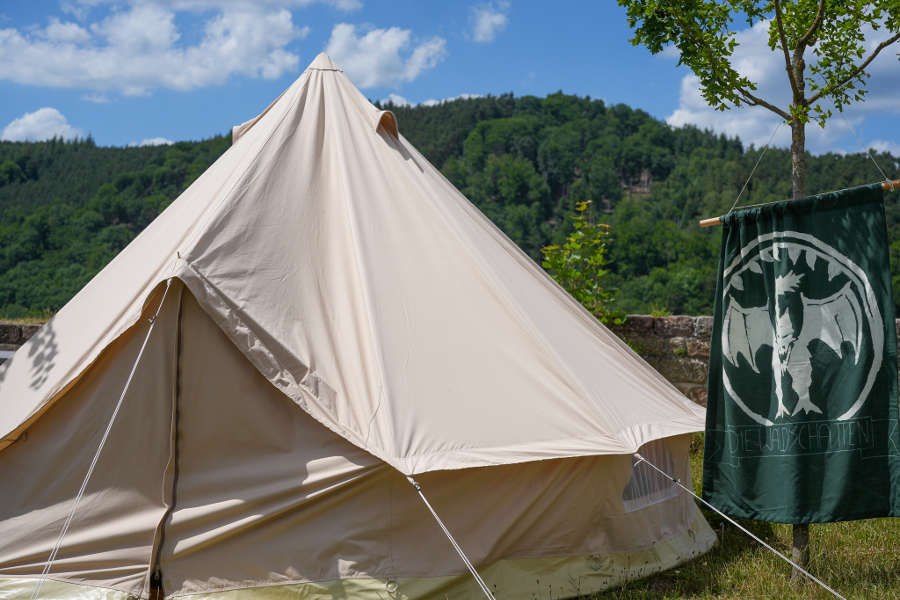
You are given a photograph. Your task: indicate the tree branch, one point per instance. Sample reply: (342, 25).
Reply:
(757, 101)
(855, 72)
(817, 22)
(787, 59)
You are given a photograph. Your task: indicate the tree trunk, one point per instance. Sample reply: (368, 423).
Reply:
(800, 541)
(800, 550)
(798, 159)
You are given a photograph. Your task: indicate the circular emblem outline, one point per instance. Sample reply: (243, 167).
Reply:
(780, 240)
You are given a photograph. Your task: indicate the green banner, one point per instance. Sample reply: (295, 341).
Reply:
(801, 422)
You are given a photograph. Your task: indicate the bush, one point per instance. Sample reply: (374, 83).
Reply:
(579, 264)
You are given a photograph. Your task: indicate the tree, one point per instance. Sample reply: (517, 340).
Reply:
(832, 30)
(10, 172)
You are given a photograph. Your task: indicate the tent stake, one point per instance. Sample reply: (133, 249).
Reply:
(887, 186)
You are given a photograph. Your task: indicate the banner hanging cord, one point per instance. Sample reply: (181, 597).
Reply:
(462, 555)
(675, 480)
(90, 471)
(868, 152)
(778, 126)
(858, 139)
(758, 160)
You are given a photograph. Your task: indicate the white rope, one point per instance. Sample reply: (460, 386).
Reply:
(462, 555)
(853, 131)
(735, 523)
(868, 152)
(780, 123)
(758, 160)
(90, 471)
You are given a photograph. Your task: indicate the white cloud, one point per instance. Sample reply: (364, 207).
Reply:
(893, 148)
(42, 124)
(65, 32)
(347, 5)
(72, 7)
(433, 102)
(95, 98)
(343, 5)
(157, 141)
(79, 8)
(375, 57)
(398, 100)
(754, 124)
(136, 49)
(488, 20)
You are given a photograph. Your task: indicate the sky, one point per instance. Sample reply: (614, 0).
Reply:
(132, 72)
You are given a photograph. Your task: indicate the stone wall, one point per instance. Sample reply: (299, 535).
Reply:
(12, 336)
(677, 347)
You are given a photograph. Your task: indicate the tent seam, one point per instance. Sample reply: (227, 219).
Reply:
(363, 276)
(159, 541)
(190, 237)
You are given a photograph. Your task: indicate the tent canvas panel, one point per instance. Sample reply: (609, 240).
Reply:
(111, 540)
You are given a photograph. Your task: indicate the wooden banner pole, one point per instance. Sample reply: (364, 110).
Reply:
(887, 186)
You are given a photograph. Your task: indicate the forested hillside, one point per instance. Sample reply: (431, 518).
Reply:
(66, 208)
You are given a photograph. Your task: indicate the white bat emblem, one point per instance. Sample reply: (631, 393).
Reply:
(833, 320)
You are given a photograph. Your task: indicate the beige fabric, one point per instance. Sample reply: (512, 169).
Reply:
(264, 498)
(514, 579)
(111, 539)
(262, 479)
(20, 588)
(367, 289)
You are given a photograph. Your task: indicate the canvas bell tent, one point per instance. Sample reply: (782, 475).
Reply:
(333, 316)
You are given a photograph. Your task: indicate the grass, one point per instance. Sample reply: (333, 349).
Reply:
(859, 559)
(25, 321)
(37, 319)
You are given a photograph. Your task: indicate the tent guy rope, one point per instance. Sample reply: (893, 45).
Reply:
(484, 587)
(90, 471)
(888, 186)
(736, 524)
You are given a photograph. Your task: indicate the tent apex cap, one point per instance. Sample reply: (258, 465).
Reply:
(323, 62)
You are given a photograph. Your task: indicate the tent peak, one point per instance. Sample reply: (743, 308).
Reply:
(323, 62)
